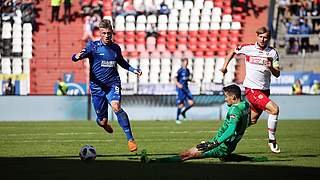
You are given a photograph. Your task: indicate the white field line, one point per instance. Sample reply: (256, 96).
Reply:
(93, 133)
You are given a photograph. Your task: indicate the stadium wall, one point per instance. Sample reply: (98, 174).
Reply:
(58, 108)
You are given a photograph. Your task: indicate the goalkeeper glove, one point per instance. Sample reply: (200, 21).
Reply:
(206, 146)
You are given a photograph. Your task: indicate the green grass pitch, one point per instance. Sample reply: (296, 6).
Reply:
(49, 150)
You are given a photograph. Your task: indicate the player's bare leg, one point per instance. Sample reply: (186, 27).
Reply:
(105, 125)
(124, 122)
(254, 117)
(273, 110)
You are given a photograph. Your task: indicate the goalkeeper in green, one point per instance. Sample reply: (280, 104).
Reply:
(227, 137)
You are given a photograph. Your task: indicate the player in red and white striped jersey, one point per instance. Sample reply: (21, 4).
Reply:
(261, 62)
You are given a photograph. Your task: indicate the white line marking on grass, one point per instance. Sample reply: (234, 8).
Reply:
(50, 134)
(61, 141)
(184, 132)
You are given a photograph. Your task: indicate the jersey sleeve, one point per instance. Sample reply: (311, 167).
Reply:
(231, 125)
(275, 57)
(240, 49)
(120, 60)
(84, 53)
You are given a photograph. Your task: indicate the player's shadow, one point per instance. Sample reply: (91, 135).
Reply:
(50, 168)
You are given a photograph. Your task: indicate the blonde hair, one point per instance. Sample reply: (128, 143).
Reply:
(263, 30)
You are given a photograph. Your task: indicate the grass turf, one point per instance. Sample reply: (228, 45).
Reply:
(50, 150)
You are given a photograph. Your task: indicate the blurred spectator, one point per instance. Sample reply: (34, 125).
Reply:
(94, 21)
(9, 88)
(297, 88)
(117, 7)
(86, 7)
(140, 8)
(293, 29)
(315, 88)
(87, 32)
(164, 9)
(128, 8)
(6, 9)
(97, 7)
(305, 29)
(62, 88)
(152, 30)
(55, 4)
(151, 8)
(316, 12)
(67, 11)
(29, 13)
(252, 6)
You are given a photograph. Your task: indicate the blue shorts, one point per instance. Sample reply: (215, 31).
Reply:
(183, 96)
(101, 97)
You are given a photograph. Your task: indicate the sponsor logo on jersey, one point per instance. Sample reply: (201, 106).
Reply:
(108, 63)
(260, 96)
(256, 59)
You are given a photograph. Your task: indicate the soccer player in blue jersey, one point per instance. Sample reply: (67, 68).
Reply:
(184, 96)
(105, 84)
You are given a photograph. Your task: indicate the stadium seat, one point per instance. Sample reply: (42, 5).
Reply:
(141, 19)
(216, 11)
(5, 65)
(26, 65)
(218, 76)
(130, 18)
(216, 18)
(152, 19)
(120, 20)
(188, 5)
(27, 27)
(162, 19)
(194, 19)
(178, 5)
(205, 19)
(17, 50)
(16, 66)
(198, 4)
(236, 25)
(208, 4)
(227, 18)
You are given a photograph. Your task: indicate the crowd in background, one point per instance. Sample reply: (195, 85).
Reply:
(301, 17)
(92, 12)
(130, 7)
(21, 8)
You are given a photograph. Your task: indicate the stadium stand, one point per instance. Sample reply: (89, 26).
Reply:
(202, 30)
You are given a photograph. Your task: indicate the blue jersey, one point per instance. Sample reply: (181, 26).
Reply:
(103, 63)
(183, 75)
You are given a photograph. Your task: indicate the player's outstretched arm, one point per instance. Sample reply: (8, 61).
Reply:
(226, 62)
(84, 53)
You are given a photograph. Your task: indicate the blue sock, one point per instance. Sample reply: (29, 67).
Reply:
(178, 113)
(123, 121)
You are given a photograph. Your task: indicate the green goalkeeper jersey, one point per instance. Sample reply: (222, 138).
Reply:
(235, 124)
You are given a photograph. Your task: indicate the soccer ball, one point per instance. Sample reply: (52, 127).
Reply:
(88, 152)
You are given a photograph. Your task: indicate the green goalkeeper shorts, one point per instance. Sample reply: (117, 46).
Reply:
(218, 152)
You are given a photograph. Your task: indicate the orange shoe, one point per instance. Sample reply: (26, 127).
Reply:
(132, 146)
(108, 128)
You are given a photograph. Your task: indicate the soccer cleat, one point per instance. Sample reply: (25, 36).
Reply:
(144, 157)
(108, 128)
(132, 146)
(178, 122)
(274, 146)
(184, 116)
